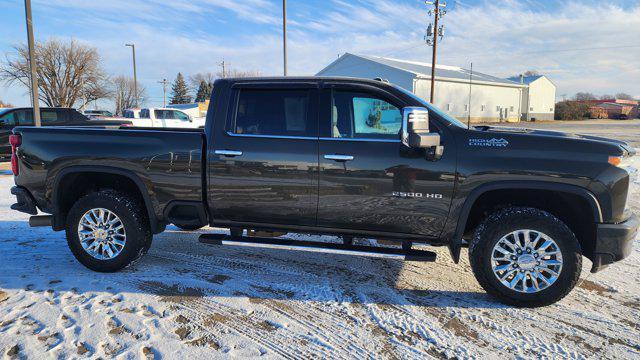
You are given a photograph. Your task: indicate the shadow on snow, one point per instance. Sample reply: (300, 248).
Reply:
(178, 268)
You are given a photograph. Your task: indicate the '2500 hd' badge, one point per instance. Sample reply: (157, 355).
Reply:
(501, 143)
(416, 195)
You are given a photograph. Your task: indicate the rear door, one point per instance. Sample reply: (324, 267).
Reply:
(176, 119)
(144, 119)
(369, 181)
(264, 161)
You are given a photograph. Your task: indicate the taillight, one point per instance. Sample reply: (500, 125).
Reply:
(15, 140)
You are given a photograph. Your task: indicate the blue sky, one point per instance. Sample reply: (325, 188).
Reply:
(581, 45)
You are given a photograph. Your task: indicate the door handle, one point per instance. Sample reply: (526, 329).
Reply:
(229, 153)
(341, 158)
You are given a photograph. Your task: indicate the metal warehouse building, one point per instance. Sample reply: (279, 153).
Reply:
(492, 98)
(538, 97)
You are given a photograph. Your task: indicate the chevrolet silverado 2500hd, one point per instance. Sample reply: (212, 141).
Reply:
(348, 157)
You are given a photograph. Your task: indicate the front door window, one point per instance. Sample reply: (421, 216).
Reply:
(362, 116)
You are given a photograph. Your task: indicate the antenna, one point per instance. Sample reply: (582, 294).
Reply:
(469, 105)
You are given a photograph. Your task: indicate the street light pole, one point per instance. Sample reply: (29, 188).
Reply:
(284, 33)
(32, 65)
(135, 75)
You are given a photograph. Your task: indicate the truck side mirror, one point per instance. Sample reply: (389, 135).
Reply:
(415, 132)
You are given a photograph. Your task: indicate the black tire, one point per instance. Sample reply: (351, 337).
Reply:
(507, 220)
(133, 217)
(188, 227)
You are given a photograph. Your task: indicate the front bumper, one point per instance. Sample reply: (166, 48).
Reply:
(26, 203)
(614, 243)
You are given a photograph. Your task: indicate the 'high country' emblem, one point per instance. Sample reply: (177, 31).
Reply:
(501, 143)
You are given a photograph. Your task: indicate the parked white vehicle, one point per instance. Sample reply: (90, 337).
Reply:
(163, 117)
(131, 113)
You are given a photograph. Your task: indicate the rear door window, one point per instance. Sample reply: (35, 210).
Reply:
(8, 119)
(52, 117)
(24, 117)
(274, 113)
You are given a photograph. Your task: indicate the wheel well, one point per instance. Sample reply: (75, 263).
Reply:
(75, 185)
(574, 210)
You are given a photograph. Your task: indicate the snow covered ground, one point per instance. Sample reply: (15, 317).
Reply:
(189, 300)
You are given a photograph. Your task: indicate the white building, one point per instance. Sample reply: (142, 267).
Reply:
(538, 98)
(492, 98)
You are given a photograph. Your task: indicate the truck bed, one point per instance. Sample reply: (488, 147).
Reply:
(165, 163)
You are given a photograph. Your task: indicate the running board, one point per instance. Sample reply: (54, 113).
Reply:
(409, 254)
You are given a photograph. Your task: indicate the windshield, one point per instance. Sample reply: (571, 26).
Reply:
(451, 120)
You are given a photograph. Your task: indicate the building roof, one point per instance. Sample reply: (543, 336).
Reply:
(424, 69)
(527, 79)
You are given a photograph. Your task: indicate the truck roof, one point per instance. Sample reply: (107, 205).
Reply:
(285, 79)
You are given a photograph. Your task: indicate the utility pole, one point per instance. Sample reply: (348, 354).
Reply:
(224, 68)
(32, 64)
(284, 34)
(135, 75)
(436, 31)
(164, 91)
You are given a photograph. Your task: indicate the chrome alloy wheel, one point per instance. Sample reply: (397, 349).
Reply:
(526, 261)
(101, 234)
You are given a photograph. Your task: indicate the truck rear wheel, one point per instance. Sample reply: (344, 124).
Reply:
(525, 257)
(108, 230)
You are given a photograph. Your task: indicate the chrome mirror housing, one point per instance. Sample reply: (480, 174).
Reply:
(415, 129)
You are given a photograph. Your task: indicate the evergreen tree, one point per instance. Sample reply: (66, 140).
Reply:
(204, 91)
(179, 91)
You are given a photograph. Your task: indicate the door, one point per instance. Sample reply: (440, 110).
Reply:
(264, 162)
(145, 120)
(172, 118)
(7, 123)
(369, 181)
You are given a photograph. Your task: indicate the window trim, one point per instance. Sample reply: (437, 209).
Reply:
(360, 139)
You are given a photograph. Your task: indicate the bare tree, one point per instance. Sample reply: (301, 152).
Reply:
(5, 105)
(235, 73)
(624, 96)
(69, 73)
(197, 79)
(124, 93)
(606, 97)
(585, 96)
(528, 73)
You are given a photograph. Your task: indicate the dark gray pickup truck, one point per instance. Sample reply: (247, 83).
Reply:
(347, 157)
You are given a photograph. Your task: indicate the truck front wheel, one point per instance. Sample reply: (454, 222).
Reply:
(108, 230)
(525, 257)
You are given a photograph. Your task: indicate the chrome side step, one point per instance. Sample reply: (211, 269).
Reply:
(409, 254)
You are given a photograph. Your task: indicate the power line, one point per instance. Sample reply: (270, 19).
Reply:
(581, 49)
